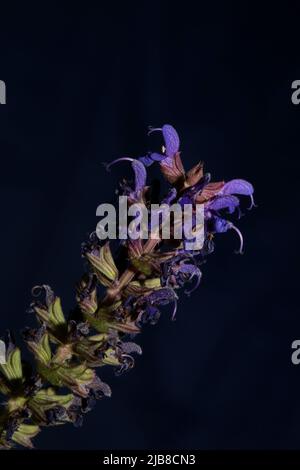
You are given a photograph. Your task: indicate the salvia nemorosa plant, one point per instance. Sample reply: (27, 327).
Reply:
(124, 287)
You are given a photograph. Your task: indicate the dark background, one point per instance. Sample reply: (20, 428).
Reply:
(83, 83)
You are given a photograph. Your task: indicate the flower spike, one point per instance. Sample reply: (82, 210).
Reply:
(122, 289)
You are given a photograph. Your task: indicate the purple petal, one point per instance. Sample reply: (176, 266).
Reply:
(151, 315)
(238, 187)
(130, 347)
(221, 225)
(140, 175)
(224, 202)
(171, 140)
(157, 157)
(190, 269)
(193, 271)
(185, 200)
(147, 160)
(139, 172)
(162, 296)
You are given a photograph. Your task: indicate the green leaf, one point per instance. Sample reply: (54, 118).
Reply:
(24, 434)
(16, 403)
(142, 287)
(56, 315)
(42, 349)
(50, 374)
(102, 320)
(74, 377)
(142, 266)
(48, 398)
(100, 324)
(110, 358)
(13, 367)
(104, 265)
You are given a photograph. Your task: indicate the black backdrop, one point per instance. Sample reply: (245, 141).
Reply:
(83, 83)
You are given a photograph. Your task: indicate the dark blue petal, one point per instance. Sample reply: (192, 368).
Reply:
(147, 160)
(171, 139)
(140, 175)
(221, 225)
(238, 186)
(224, 202)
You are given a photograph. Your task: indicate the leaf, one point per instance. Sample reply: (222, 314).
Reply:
(48, 398)
(49, 374)
(13, 367)
(104, 265)
(102, 318)
(79, 373)
(194, 175)
(135, 248)
(108, 309)
(154, 283)
(98, 338)
(41, 313)
(110, 358)
(209, 191)
(104, 323)
(41, 349)
(56, 316)
(142, 287)
(100, 324)
(77, 378)
(142, 266)
(24, 434)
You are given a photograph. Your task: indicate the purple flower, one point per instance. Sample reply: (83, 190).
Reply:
(181, 270)
(220, 225)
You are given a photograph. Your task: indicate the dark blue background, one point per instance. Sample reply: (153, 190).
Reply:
(83, 83)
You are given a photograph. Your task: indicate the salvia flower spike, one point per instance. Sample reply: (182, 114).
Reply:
(121, 290)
